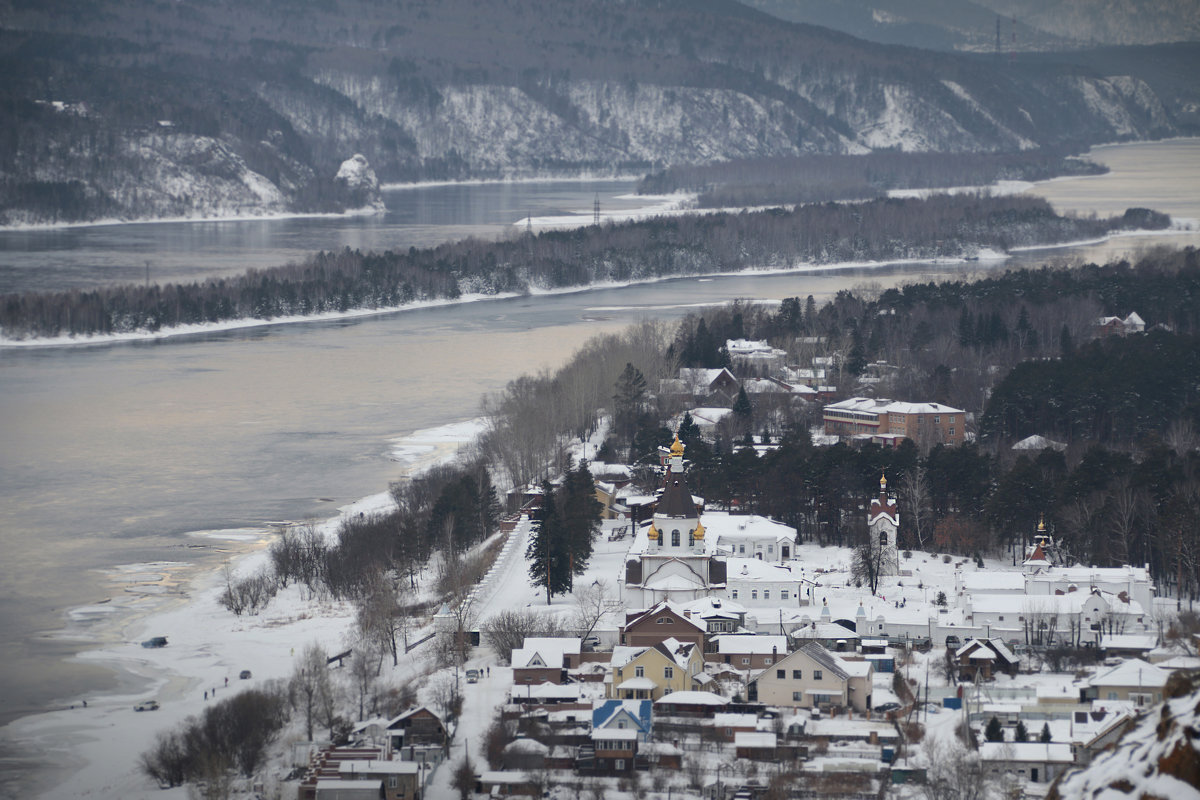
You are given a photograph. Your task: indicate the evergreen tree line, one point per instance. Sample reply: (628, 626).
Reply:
(665, 246)
(783, 180)
(568, 521)
(1105, 507)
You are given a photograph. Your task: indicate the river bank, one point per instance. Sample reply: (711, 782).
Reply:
(70, 750)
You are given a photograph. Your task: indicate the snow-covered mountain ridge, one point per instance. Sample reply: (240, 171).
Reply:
(130, 108)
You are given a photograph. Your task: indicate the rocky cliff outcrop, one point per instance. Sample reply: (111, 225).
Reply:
(1156, 759)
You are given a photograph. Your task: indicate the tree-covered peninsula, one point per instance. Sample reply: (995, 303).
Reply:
(879, 230)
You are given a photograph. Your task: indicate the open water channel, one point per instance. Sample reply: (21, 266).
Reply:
(116, 454)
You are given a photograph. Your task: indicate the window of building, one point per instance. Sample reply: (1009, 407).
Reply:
(950, 432)
(733, 594)
(621, 724)
(883, 537)
(1112, 695)
(783, 594)
(639, 672)
(937, 420)
(766, 594)
(393, 781)
(674, 538)
(691, 540)
(746, 660)
(741, 549)
(781, 674)
(817, 674)
(620, 764)
(770, 548)
(768, 661)
(797, 674)
(1001, 619)
(950, 419)
(668, 690)
(797, 697)
(754, 594)
(668, 672)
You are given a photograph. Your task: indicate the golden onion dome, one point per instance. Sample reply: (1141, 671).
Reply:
(652, 534)
(699, 532)
(676, 447)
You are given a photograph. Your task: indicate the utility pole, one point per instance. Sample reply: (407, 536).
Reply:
(596, 211)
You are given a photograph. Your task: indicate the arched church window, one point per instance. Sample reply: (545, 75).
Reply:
(674, 538)
(691, 540)
(883, 537)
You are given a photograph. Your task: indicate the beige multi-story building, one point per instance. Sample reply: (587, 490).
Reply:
(888, 422)
(812, 677)
(648, 673)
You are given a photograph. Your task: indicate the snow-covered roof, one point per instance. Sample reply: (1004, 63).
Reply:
(872, 405)
(824, 630)
(755, 739)
(1129, 641)
(743, 527)
(1027, 752)
(1038, 443)
(543, 651)
(1134, 674)
(692, 699)
(353, 767)
(709, 606)
(526, 746)
(746, 644)
(759, 571)
(635, 684)
(985, 581)
(735, 720)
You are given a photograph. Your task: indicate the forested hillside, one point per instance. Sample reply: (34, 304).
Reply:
(661, 247)
(127, 108)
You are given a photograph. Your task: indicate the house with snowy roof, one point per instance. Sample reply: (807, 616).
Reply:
(1116, 326)
(1135, 681)
(981, 659)
(648, 673)
(758, 584)
(755, 355)
(888, 422)
(747, 651)
(717, 614)
(812, 677)
(707, 386)
(751, 536)
(1035, 762)
(545, 659)
(636, 715)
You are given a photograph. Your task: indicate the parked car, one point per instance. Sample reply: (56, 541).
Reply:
(244, 674)
(146, 705)
(157, 641)
(472, 676)
(884, 708)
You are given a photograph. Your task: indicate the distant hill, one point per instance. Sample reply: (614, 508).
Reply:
(1004, 25)
(136, 108)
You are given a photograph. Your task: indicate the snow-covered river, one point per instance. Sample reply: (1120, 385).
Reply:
(112, 454)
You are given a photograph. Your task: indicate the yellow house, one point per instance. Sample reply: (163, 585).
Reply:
(648, 673)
